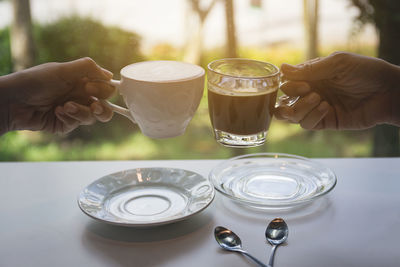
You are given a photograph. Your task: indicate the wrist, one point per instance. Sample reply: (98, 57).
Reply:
(393, 78)
(10, 86)
(5, 90)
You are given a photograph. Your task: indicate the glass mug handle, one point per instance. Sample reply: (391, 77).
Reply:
(285, 100)
(120, 110)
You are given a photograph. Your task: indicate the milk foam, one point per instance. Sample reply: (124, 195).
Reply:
(161, 71)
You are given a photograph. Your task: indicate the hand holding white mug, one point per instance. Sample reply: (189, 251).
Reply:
(55, 97)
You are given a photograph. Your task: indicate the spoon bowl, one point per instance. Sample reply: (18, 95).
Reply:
(277, 232)
(228, 240)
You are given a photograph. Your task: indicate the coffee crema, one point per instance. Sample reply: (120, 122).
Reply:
(162, 71)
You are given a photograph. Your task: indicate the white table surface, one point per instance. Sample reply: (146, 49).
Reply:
(357, 224)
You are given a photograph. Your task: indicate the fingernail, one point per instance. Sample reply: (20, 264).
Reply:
(107, 73)
(288, 68)
(312, 98)
(59, 110)
(304, 87)
(70, 108)
(97, 109)
(323, 107)
(285, 113)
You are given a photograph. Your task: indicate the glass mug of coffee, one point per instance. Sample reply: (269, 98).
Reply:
(161, 96)
(241, 99)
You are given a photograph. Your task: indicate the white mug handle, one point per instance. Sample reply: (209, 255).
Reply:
(120, 110)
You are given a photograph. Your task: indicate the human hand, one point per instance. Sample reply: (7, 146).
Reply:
(58, 97)
(341, 91)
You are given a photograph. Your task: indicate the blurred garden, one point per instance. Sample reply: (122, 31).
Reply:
(112, 47)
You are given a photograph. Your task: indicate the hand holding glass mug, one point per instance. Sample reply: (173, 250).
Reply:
(161, 96)
(343, 91)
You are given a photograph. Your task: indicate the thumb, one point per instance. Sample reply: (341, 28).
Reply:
(313, 70)
(86, 67)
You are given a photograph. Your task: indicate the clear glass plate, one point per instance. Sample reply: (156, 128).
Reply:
(272, 180)
(145, 197)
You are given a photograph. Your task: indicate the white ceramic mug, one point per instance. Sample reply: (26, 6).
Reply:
(161, 96)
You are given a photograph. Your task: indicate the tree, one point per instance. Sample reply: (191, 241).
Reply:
(231, 46)
(310, 16)
(194, 47)
(384, 14)
(22, 46)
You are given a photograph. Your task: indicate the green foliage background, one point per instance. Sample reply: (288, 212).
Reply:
(5, 55)
(111, 47)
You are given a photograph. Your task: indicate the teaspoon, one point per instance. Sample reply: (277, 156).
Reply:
(276, 233)
(228, 240)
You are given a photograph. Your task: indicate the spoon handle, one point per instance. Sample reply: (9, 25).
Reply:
(254, 259)
(272, 256)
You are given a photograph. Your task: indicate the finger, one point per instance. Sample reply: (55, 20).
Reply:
(315, 116)
(295, 88)
(81, 113)
(67, 123)
(101, 111)
(99, 89)
(86, 67)
(314, 70)
(281, 112)
(303, 106)
(329, 121)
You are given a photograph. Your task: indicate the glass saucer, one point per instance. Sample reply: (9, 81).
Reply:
(272, 180)
(145, 197)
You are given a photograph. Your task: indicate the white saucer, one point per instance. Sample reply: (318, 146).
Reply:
(146, 196)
